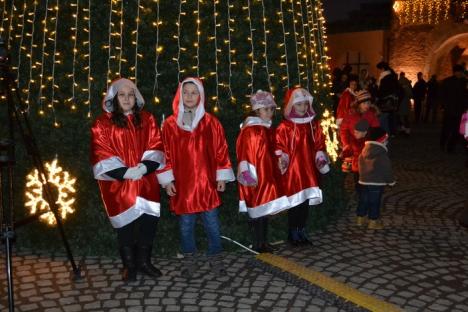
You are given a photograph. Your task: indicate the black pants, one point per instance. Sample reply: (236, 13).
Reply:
(449, 137)
(297, 216)
(141, 231)
(417, 110)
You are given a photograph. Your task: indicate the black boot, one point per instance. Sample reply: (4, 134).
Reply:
(293, 237)
(304, 237)
(144, 262)
(265, 245)
(256, 235)
(129, 272)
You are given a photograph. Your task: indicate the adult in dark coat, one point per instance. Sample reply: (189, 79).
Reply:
(387, 97)
(454, 96)
(419, 94)
(431, 99)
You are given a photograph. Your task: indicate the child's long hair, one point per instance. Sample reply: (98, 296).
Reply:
(119, 119)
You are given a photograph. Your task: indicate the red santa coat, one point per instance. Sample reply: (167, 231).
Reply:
(352, 147)
(196, 157)
(302, 141)
(344, 105)
(255, 156)
(113, 147)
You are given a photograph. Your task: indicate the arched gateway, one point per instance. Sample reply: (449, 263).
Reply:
(428, 41)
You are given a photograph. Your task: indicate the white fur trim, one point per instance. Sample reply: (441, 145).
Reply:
(255, 121)
(246, 166)
(141, 206)
(377, 183)
(114, 89)
(165, 177)
(377, 143)
(313, 194)
(225, 175)
(156, 156)
(302, 120)
(273, 207)
(106, 165)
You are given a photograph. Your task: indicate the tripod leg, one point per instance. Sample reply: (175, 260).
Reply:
(8, 236)
(19, 113)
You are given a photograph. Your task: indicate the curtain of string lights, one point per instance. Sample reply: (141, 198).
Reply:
(65, 53)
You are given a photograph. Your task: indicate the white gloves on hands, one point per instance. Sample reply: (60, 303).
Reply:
(135, 173)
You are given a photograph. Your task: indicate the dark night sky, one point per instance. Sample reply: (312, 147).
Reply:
(339, 9)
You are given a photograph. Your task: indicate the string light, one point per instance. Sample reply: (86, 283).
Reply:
(54, 61)
(417, 12)
(109, 44)
(135, 68)
(44, 43)
(74, 29)
(10, 26)
(312, 40)
(157, 51)
(20, 47)
(265, 45)
(298, 53)
(285, 55)
(30, 55)
(231, 52)
(120, 35)
(3, 17)
(252, 50)
(197, 44)
(310, 48)
(178, 41)
(90, 78)
(303, 42)
(215, 38)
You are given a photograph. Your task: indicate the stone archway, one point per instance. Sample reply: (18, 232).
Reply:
(452, 50)
(425, 48)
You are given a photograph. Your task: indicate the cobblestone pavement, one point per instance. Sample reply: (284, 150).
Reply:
(418, 262)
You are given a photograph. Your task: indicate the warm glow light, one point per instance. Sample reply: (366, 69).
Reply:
(397, 6)
(329, 128)
(64, 186)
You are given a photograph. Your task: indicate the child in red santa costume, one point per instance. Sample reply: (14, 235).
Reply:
(126, 149)
(301, 151)
(197, 169)
(258, 173)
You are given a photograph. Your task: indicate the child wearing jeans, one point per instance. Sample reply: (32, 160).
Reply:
(375, 172)
(258, 172)
(197, 169)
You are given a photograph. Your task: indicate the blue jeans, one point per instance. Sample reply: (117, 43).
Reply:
(211, 225)
(370, 197)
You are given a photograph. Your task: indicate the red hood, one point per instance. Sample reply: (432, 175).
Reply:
(178, 105)
(291, 94)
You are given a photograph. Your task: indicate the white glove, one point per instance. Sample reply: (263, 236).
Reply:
(133, 173)
(142, 168)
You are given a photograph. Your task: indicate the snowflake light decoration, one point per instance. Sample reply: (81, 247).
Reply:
(63, 187)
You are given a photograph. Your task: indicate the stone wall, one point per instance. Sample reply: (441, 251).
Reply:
(425, 48)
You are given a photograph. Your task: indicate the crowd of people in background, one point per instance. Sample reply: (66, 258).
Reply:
(400, 103)
(370, 111)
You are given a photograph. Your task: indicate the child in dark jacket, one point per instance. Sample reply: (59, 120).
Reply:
(375, 172)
